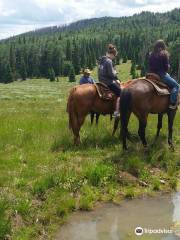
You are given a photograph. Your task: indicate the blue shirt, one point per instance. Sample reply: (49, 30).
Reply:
(86, 79)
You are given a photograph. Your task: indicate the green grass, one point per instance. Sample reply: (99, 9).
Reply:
(44, 177)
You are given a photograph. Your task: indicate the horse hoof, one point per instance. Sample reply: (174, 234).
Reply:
(172, 148)
(125, 148)
(77, 142)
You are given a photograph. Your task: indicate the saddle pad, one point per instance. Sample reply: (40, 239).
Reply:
(161, 88)
(104, 92)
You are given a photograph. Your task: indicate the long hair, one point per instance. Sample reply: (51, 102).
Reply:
(160, 48)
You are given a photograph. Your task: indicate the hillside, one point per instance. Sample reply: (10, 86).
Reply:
(99, 25)
(78, 45)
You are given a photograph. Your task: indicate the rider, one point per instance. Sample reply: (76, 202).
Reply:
(159, 64)
(86, 77)
(108, 75)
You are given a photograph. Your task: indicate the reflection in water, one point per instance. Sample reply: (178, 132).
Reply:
(112, 222)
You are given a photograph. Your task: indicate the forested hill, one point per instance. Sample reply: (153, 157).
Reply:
(65, 50)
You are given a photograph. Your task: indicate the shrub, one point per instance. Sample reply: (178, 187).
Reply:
(67, 204)
(133, 165)
(23, 208)
(5, 226)
(41, 186)
(173, 183)
(51, 74)
(156, 184)
(130, 193)
(99, 174)
(86, 203)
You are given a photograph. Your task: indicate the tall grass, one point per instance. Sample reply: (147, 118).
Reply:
(44, 177)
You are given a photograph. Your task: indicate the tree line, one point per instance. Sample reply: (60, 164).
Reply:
(66, 50)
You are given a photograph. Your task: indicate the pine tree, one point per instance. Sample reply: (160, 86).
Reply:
(68, 51)
(175, 57)
(51, 74)
(23, 72)
(125, 59)
(72, 76)
(57, 61)
(66, 68)
(12, 60)
(143, 70)
(133, 70)
(8, 75)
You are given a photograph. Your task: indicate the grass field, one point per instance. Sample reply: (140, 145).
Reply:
(43, 177)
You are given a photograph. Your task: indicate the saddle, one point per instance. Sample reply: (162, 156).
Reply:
(159, 86)
(104, 92)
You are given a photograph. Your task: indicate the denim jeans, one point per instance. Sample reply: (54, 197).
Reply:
(173, 85)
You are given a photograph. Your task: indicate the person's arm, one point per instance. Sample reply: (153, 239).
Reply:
(110, 70)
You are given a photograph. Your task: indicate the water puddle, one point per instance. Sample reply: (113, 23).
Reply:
(112, 222)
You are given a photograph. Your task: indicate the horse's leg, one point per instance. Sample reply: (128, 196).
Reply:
(111, 117)
(81, 119)
(75, 128)
(171, 115)
(125, 111)
(97, 118)
(92, 117)
(142, 128)
(159, 125)
(77, 122)
(116, 122)
(124, 130)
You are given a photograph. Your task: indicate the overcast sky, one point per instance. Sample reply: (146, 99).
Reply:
(18, 16)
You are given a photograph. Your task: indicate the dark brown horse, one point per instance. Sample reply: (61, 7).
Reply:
(84, 99)
(141, 99)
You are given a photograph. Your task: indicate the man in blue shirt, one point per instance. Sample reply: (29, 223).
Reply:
(86, 77)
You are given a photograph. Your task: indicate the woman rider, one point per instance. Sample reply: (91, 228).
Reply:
(159, 64)
(108, 75)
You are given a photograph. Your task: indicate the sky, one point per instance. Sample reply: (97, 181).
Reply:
(18, 16)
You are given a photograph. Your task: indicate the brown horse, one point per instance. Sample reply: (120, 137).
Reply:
(141, 99)
(84, 99)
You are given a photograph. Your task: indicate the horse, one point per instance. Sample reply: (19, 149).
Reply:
(141, 99)
(84, 99)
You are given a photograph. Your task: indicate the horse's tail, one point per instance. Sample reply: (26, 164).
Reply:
(71, 109)
(125, 110)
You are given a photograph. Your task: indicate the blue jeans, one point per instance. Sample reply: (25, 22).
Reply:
(173, 85)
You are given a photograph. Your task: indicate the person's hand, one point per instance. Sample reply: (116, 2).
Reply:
(118, 82)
